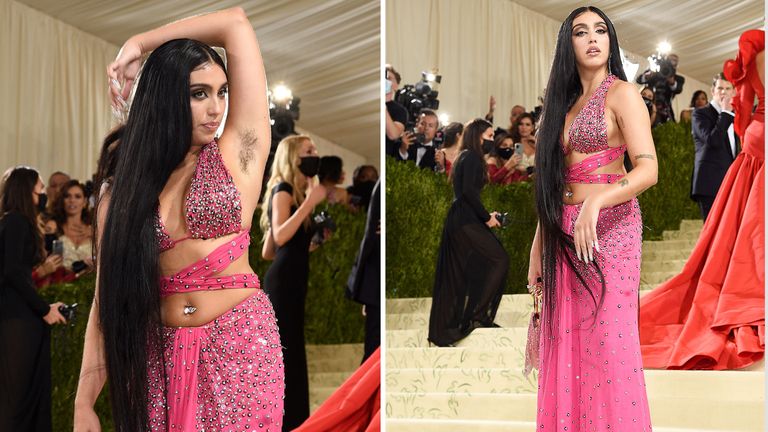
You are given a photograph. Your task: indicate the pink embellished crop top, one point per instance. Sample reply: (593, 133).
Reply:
(213, 210)
(589, 134)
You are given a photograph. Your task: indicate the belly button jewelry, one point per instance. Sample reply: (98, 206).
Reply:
(568, 194)
(189, 309)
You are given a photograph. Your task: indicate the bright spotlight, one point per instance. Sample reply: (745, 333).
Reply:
(664, 48)
(444, 119)
(281, 93)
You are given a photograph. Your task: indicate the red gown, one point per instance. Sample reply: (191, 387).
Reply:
(712, 314)
(353, 407)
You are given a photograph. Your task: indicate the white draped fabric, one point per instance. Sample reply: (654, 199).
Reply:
(53, 85)
(482, 48)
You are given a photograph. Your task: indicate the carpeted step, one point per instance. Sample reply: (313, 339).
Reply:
(334, 358)
(482, 337)
(443, 425)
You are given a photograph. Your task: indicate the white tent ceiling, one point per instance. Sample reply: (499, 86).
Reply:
(326, 51)
(704, 33)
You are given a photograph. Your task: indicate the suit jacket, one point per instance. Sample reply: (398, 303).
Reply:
(713, 150)
(427, 161)
(363, 284)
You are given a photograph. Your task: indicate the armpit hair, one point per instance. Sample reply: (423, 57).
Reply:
(248, 141)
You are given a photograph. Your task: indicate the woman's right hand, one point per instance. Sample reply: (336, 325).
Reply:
(534, 268)
(440, 159)
(54, 316)
(493, 222)
(86, 419)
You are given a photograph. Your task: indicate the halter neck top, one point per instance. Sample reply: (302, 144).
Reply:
(212, 206)
(212, 210)
(589, 134)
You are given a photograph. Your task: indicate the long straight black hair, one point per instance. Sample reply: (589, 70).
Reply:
(154, 141)
(563, 90)
(18, 185)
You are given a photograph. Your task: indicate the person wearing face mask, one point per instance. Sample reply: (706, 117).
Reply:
(502, 162)
(287, 224)
(472, 264)
(25, 317)
(396, 114)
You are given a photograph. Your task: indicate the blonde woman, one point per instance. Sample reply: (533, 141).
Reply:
(292, 195)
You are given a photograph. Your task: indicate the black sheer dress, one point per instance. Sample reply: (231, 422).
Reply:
(472, 264)
(25, 339)
(286, 285)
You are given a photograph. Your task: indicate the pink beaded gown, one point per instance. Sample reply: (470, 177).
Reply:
(226, 375)
(591, 374)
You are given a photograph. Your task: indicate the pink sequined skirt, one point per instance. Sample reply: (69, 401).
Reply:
(591, 374)
(226, 375)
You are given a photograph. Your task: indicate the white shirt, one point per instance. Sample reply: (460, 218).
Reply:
(419, 152)
(731, 136)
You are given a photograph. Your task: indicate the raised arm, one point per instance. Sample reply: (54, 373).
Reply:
(245, 141)
(93, 372)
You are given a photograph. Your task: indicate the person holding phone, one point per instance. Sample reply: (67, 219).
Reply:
(524, 134)
(25, 317)
(472, 264)
(503, 160)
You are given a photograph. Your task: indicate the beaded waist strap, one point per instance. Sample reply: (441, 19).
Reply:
(581, 172)
(203, 274)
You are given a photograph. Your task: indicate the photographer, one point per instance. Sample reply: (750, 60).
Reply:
(472, 264)
(665, 84)
(417, 146)
(650, 103)
(396, 114)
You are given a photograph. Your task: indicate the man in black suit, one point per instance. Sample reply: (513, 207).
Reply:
(418, 147)
(716, 144)
(364, 282)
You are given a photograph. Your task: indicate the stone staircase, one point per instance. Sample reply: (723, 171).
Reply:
(329, 366)
(478, 385)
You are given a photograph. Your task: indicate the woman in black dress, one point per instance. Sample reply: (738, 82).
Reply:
(472, 264)
(292, 198)
(25, 357)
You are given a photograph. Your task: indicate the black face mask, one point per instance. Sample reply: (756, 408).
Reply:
(505, 152)
(487, 146)
(42, 200)
(309, 165)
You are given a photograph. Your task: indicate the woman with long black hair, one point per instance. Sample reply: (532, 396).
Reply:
(25, 318)
(472, 264)
(179, 325)
(587, 245)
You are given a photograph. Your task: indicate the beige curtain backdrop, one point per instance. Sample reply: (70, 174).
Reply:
(481, 48)
(53, 86)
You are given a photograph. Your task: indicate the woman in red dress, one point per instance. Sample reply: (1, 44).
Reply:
(712, 315)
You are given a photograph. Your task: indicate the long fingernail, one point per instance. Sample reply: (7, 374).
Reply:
(115, 83)
(591, 258)
(597, 247)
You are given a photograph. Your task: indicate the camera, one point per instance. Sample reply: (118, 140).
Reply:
(68, 311)
(323, 221)
(665, 66)
(648, 105)
(419, 137)
(503, 219)
(79, 266)
(415, 97)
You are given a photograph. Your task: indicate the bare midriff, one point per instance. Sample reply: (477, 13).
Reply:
(581, 191)
(208, 304)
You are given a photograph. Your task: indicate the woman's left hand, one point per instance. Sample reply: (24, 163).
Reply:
(585, 231)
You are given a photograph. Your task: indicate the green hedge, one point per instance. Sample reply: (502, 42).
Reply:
(418, 200)
(330, 317)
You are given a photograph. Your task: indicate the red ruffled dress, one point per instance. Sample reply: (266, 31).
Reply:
(712, 314)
